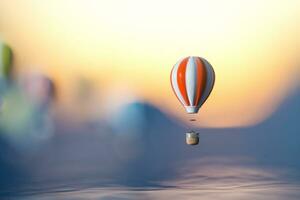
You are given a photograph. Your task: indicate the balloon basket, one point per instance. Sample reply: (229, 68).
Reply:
(192, 138)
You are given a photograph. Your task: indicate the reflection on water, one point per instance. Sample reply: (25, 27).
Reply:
(209, 181)
(260, 191)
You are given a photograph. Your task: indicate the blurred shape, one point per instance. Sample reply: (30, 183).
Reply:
(38, 88)
(15, 113)
(128, 124)
(129, 119)
(118, 97)
(5, 60)
(5, 69)
(192, 138)
(25, 118)
(84, 89)
(192, 80)
(86, 98)
(25, 128)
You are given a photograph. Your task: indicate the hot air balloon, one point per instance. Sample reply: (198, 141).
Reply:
(192, 80)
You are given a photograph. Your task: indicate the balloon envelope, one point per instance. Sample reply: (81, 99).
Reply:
(192, 80)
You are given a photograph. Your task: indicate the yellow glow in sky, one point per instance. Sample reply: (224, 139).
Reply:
(252, 45)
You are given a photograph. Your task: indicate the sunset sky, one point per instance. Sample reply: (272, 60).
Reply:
(129, 47)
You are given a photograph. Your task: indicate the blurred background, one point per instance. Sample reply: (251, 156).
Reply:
(87, 110)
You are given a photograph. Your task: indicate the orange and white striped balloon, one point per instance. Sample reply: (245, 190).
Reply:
(192, 80)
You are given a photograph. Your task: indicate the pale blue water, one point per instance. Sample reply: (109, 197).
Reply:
(235, 183)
